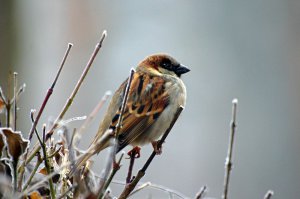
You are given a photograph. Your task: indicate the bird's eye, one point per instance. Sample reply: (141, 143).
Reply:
(166, 63)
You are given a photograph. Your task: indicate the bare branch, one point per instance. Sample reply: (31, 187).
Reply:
(129, 188)
(77, 86)
(228, 163)
(201, 193)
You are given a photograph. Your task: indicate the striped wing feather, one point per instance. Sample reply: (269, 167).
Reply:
(146, 101)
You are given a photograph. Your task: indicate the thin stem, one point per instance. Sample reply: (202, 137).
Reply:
(201, 193)
(15, 100)
(46, 162)
(131, 163)
(38, 162)
(129, 187)
(120, 120)
(90, 118)
(8, 106)
(49, 93)
(228, 162)
(269, 194)
(106, 171)
(74, 92)
(70, 99)
(116, 167)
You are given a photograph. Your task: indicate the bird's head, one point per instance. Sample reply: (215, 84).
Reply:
(161, 64)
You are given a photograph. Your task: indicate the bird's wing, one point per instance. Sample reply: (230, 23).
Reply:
(147, 99)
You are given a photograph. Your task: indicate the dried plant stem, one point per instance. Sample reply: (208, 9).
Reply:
(38, 162)
(70, 99)
(131, 163)
(116, 167)
(141, 187)
(129, 187)
(228, 162)
(120, 120)
(106, 171)
(201, 193)
(15, 100)
(79, 83)
(89, 119)
(269, 194)
(46, 163)
(33, 127)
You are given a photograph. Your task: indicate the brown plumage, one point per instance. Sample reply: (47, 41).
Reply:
(155, 94)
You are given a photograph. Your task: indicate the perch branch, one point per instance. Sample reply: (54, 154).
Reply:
(228, 162)
(116, 167)
(129, 188)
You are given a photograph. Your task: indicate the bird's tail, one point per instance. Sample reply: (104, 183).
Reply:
(95, 148)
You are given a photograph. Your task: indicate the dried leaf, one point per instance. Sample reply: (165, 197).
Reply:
(15, 142)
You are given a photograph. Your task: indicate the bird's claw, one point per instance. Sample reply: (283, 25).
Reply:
(135, 152)
(156, 147)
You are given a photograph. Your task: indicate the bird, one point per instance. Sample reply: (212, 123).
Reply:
(155, 94)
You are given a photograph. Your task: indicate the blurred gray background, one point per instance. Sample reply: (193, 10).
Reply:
(244, 49)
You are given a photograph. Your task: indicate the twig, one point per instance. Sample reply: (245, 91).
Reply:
(131, 163)
(76, 88)
(15, 100)
(38, 162)
(120, 120)
(46, 162)
(91, 151)
(154, 186)
(89, 119)
(116, 167)
(201, 193)
(33, 127)
(143, 186)
(129, 188)
(74, 92)
(269, 194)
(228, 162)
(106, 171)
(50, 91)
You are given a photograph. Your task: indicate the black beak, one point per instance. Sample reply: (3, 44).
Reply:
(181, 70)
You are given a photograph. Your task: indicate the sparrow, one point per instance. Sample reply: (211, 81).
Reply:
(156, 92)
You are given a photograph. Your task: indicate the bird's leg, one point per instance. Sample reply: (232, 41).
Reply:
(156, 147)
(135, 152)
